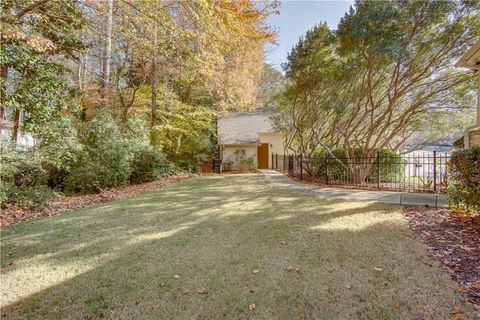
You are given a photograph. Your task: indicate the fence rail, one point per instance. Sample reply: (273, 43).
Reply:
(413, 172)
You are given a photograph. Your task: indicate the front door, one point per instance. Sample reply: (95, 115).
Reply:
(262, 156)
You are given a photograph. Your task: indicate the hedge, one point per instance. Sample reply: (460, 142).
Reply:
(464, 179)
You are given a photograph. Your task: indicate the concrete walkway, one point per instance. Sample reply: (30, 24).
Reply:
(404, 198)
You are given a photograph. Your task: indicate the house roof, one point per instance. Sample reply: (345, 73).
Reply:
(243, 127)
(471, 58)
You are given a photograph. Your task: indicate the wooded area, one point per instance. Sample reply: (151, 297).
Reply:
(122, 90)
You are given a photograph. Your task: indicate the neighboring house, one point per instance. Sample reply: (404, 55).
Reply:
(471, 60)
(420, 162)
(24, 139)
(247, 140)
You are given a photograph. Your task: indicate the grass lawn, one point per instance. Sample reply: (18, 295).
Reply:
(316, 259)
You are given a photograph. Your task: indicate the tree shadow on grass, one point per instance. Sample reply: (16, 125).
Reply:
(118, 260)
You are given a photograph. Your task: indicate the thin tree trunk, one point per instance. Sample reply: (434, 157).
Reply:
(107, 54)
(154, 78)
(3, 91)
(16, 125)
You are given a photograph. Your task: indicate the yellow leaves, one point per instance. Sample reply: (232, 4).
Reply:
(34, 42)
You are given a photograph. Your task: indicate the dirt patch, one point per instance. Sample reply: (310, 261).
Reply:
(60, 204)
(454, 239)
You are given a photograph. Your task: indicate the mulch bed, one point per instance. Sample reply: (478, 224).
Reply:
(454, 239)
(60, 204)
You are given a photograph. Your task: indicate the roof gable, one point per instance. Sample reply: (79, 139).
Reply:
(243, 127)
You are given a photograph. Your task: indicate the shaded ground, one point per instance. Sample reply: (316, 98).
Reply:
(292, 255)
(454, 238)
(391, 197)
(60, 204)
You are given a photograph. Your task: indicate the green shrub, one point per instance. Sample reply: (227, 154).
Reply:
(104, 160)
(391, 164)
(33, 197)
(148, 164)
(23, 181)
(464, 178)
(59, 152)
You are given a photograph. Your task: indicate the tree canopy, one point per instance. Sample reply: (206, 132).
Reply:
(371, 83)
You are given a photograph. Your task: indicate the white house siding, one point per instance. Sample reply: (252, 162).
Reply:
(23, 139)
(275, 144)
(420, 163)
(239, 157)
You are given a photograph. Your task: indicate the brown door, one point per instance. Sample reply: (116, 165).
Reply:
(262, 156)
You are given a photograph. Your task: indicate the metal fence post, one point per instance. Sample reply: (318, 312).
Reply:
(434, 170)
(378, 169)
(301, 166)
(276, 161)
(326, 169)
(272, 160)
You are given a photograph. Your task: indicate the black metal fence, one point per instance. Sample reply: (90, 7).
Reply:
(413, 172)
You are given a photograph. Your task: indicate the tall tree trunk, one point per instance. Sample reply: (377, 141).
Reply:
(154, 78)
(107, 54)
(16, 126)
(3, 91)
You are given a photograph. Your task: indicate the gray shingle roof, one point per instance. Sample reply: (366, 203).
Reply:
(242, 127)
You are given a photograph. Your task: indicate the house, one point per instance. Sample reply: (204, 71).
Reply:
(7, 116)
(247, 140)
(471, 60)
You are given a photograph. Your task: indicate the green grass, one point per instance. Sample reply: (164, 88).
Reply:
(118, 260)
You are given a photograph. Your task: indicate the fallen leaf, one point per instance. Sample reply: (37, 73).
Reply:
(251, 306)
(255, 271)
(290, 268)
(377, 269)
(185, 291)
(283, 242)
(299, 270)
(456, 314)
(348, 286)
(202, 291)
(176, 276)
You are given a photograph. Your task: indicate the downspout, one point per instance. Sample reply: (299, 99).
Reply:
(466, 135)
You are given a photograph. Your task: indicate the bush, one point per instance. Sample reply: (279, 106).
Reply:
(391, 164)
(464, 178)
(23, 181)
(33, 197)
(148, 164)
(59, 153)
(104, 160)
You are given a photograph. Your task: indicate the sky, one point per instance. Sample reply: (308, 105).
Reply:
(295, 18)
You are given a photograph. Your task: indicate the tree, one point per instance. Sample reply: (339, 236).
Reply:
(107, 52)
(37, 38)
(387, 65)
